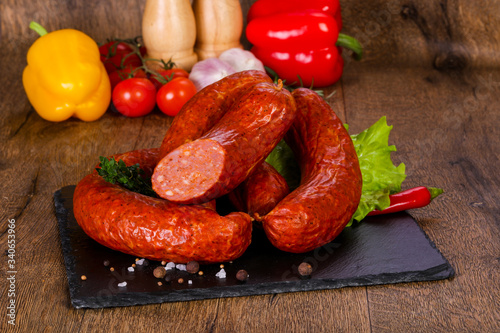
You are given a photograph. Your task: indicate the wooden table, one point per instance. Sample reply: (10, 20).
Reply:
(431, 67)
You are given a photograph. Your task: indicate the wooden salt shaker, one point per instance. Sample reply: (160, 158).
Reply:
(169, 32)
(219, 25)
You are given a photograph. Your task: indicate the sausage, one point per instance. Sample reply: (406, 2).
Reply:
(260, 192)
(224, 157)
(207, 107)
(147, 159)
(318, 210)
(154, 228)
(202, 112)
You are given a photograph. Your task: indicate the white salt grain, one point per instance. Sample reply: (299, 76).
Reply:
(122, 284)
(221, 274)
(130, 269)
(181, 267)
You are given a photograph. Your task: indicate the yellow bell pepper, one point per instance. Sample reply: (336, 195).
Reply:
(65, 77)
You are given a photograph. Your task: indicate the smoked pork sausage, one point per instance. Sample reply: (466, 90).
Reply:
(207, 107)
(318, 210)
(154, 228)
(260, 192)
(226, 155)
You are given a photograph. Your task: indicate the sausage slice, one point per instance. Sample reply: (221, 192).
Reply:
(224, 157)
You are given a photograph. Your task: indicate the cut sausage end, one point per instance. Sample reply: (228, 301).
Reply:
(189, 172)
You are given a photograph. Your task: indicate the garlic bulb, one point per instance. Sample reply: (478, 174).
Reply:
(209, 71)
(231, 61)
(241, 60)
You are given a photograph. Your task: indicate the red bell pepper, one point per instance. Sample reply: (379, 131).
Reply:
(263, 8)
(416, 197)
(300, 46)
(299, 30)
(309, 65)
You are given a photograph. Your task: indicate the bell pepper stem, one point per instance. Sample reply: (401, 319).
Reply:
(352, 44)
(38, 28)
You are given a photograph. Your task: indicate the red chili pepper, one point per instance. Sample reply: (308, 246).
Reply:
(416, 197)
(300, 46)
(263, 8)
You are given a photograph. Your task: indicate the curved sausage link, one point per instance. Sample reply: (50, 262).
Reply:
(201, 113)
(260, 192)
(330, 189)
(155, 228)
(226, 155)
(207, 107)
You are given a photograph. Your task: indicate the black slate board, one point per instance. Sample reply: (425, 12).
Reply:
(381, 250)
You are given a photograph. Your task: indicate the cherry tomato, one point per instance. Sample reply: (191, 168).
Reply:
(143, 51)
(134, 97)
(173, 95)
(168, 74)
(119, 75)
(117, 55)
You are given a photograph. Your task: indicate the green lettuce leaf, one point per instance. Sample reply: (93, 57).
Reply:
(283, 160)
(380, 176)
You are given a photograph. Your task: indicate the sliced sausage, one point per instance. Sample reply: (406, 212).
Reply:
(207, 107)
(154, 228)
(224, 157)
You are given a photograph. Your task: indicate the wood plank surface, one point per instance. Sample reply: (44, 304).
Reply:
(431, 67)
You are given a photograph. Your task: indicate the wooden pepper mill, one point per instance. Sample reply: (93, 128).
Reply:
(219, 24)
(169, 32)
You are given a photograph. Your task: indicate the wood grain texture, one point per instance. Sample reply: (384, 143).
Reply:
(447, 138)
(443, 34)
(431, 67)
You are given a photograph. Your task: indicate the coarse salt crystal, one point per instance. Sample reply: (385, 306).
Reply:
(122, 284)
(181, 267)
(190, 281)
(221, 274)
(170, 265)
(130, 269)
(140, 262)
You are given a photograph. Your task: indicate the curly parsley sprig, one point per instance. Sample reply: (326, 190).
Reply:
(117, 172)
